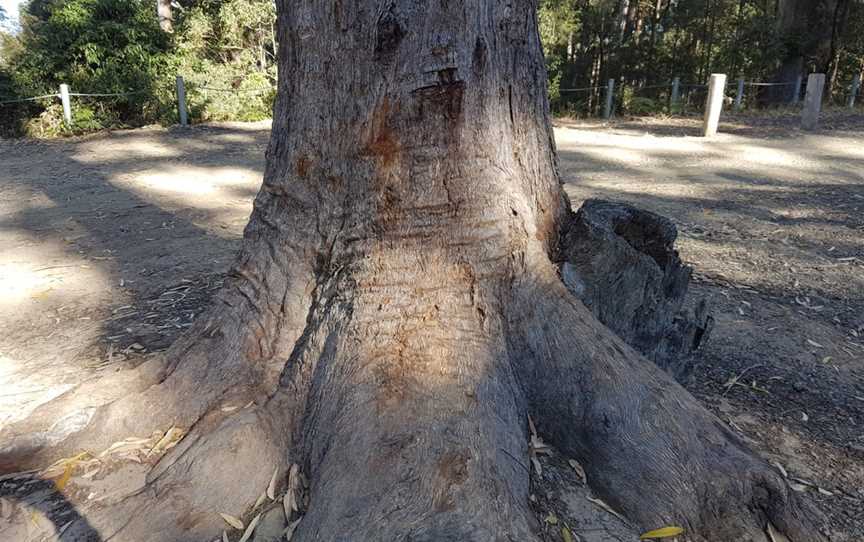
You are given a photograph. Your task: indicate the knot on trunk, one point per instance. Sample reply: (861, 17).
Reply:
(621, 262)
(388, 36)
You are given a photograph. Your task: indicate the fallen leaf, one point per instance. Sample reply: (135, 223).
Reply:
(260, 501)
(289, 530)
(288, 504)
(531, 426)
(580, 472)
(126, 446)
(271, 488)
(663, 532)
(607, 508)
(565, 534)
(63, 529)
(814, 343)
(41, 294)
(232, 521)
(825, 492)
(168, 441)
(295, 482)
(63, 480)
(225, 537)
(774, 535)
(781, 469)
(551, 519)
(247, 534)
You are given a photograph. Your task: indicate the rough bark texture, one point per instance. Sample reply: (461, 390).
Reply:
(396, 314)
(621, 263)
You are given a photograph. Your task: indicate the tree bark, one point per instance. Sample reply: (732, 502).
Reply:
(163, 11)
(397, 311)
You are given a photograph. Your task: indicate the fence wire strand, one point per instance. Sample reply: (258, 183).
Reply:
(33, 99)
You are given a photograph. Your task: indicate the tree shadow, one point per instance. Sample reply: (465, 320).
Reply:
(110, 246)
(29, 494)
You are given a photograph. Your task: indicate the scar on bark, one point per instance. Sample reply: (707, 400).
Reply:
(389, 35)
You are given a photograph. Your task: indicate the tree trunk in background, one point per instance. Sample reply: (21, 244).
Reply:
(838, 25)
(163, 11)
(806, 28)
(397, 311)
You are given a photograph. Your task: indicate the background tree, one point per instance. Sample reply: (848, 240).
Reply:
(646, 43)
(397, 312)
(166, 18)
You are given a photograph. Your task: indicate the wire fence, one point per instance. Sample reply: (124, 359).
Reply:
(673, 97)
(682, 98)
(69, 100)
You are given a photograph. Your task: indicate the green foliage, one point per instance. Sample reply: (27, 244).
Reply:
(644, 44)
(229, 45)
(116, 46)
(226, 52)
(643, 106)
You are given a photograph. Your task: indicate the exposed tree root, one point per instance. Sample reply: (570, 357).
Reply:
(408, 412)
(647, 446)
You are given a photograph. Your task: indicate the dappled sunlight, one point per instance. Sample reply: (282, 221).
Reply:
(42, 291)
(34, 276)
(195, 181)
(733, 152)
(752, 156)
(632, 142)
(769, 214)
(837, 147)
(222, 196)
(135, 148)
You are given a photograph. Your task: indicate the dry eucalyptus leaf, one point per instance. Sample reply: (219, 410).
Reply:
(781, 469)
(664, 532)
(580, 472)
(247, 534)
(607, 508)
(271, 488)
(289, 530)
(232, 521)
(260, 501)
(168, 441)
(774, 535)
(531, 426)
(288, 504)
(225, 537)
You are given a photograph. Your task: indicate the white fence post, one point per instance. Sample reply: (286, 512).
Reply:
(813, 101)
(181, 101)
(714, 104)
(676, 91)
(856, 84)
(739, 98)
(610, 94)
(67, 106)
(797, 96)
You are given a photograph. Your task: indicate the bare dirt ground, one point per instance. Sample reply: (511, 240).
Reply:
(110, 246)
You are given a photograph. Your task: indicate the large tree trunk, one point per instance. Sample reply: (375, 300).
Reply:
(397, 312)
